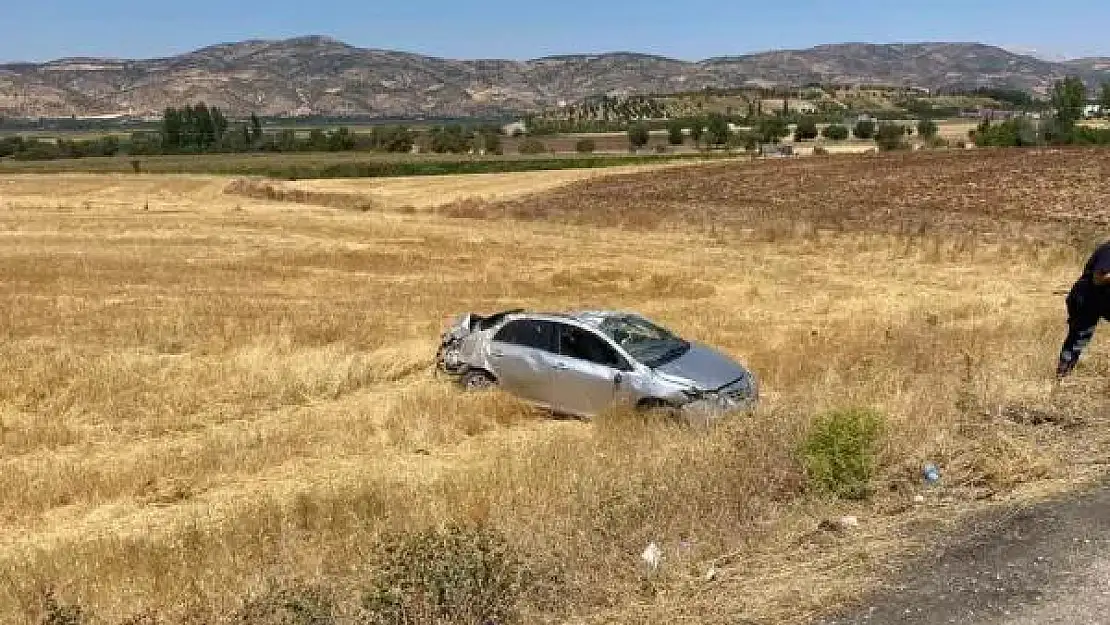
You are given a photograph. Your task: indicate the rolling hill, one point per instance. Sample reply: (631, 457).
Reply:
(323, 76)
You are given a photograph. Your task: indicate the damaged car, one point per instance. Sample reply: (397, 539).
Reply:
(582, 363)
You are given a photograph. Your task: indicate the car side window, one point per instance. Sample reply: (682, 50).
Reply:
(527, 333)
(584, 345)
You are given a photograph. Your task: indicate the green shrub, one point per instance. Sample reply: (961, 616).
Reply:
(891, 137)
(459, 575)
(839, 452)
(743, 139)
(806, 130)
(1018, 132)
(585, 146)
(298, 605)
(55, 612)
(836, 132)
(638, 136)
(675, 133)
(1091, 136)
(865, 129)
(927, 128)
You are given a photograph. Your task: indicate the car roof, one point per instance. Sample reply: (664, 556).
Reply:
(588, 317)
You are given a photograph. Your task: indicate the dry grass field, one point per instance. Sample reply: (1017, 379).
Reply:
(430, 192)
(215, 408)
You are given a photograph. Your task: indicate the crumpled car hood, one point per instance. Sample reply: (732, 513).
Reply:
(704, 367)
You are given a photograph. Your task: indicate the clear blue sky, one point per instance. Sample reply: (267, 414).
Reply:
(692, 29)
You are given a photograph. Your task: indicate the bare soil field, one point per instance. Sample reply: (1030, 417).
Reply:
(216, 408)
(983, 192)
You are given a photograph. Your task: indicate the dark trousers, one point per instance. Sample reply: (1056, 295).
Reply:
(1084, 313)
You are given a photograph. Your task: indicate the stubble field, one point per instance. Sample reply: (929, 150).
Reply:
(217, 408)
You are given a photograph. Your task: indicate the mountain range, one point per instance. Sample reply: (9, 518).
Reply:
(322, 76)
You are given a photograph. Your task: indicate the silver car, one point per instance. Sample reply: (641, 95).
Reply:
(582, 363)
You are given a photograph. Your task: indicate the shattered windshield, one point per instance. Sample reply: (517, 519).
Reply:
(643, 340)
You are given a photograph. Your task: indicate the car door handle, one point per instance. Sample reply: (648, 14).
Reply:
(560, 366)
(497, 353)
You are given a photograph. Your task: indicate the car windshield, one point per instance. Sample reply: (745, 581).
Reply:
(643, 340)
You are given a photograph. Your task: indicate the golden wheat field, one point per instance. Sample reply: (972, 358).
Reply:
(218, 408)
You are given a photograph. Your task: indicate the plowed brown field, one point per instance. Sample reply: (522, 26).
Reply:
(982, 192)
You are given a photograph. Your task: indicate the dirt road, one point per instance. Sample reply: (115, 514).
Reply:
(1045, 564)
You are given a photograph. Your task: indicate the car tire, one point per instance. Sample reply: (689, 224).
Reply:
(477, 380)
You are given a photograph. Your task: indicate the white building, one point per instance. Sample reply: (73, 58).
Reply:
(514, 128)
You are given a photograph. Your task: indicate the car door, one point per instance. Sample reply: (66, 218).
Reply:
(587, 372)
(520, 355)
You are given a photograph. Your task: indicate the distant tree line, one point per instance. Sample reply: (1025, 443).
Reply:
(1013, 97)
(30, 149)
(202, 129)
(1069, 100)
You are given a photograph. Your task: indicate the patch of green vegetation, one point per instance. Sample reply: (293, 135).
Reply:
(458, 575)
(292, 605)
(307, 166)
(839, 452)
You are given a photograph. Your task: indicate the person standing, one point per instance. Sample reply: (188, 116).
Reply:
(1088, 302)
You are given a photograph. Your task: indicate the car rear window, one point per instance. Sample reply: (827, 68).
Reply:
(540, 335)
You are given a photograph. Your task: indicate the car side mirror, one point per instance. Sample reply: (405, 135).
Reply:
(618, 378)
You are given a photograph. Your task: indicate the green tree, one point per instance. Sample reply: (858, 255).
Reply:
(172, 129)
(141, 143)
(394, 139)
(836, 132)
(697, 130)
(488, 141)
(638, 136)
(287, 140)
(10, 145)
(771, 129)
(1017, 132)
(450, 139)
(927, 128)
(891, 137)
(204, 127)
(717, 130)
(237, 141)
(1069, 96)
(865, 129)
(743, 139)
(341, 140)
(317, 140)
(255, 135)
(1104, 98)
(219, 123)
(806, 130)
(676, 133)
